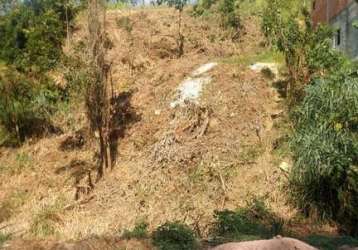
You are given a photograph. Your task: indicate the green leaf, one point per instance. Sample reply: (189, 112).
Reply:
(355, 24)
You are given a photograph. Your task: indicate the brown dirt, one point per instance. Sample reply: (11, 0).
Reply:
(223, 168)
(94, 243)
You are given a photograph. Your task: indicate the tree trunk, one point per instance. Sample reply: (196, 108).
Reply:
(67, 27)
(180, 36)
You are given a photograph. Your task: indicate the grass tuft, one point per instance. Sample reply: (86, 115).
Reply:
(253, 222)
(140, 231)
(3, 238)
(46, 220)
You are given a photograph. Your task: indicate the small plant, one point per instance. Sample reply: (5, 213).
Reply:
(23, 161)
(44, 223)
(307, 50)
(229, 15)
(325, 146)
(174, 236)
(252, 222)
(25, 106)
(355, 24)
(251, 153)
(139, 231)
(3, 238)
(125, 23)
(179, 6)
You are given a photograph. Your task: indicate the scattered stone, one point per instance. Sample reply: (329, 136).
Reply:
(285, 167)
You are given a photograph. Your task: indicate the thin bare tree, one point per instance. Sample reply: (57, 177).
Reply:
(99, 92)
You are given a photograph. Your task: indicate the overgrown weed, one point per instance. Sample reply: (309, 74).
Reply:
(174, 236)
(252, 222)
(140, 231)
(46, 220)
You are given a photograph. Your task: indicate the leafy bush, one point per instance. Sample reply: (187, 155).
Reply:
(174, 236)
(31, 34)
(307, 50)
(325, 146)
(252, 222)
(203, 6)
(228, 12)
(25, 106)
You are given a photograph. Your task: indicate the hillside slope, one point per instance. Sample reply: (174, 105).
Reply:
(172, 164)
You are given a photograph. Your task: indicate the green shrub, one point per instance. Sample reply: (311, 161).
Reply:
(31, 34)
(307, 50)
(174, 236)
(25, 106)
(139, 231)
(325, 146)
(331, 242)
(229, 16)
(255, 221)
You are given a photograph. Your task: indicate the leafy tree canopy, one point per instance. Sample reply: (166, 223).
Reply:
(31, 33)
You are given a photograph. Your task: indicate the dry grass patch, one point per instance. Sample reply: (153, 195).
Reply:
(46, 221)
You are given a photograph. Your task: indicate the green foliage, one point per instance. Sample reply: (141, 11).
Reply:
(3, 238)
(117, 5)
(330, 242)
(31, 34)
(355, 24)
(325, 146)
(139, 231)
(307, 50)
(255, 221)
(177, 4)
(174, 236)
(25, 106)
(228, 12)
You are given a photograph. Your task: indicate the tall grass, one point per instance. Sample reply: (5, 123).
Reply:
(325, 174)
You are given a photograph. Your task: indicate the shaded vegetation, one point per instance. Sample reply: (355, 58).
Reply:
(3, 238)
(25, 106)
(331, 243)
(307, 50)
(253, 222)
(325, 174)
(139, 231)
(174, 236)
(31, 37)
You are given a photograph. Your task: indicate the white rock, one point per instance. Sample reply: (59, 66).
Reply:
(257, 67)
(204, 68)
(191, 88)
